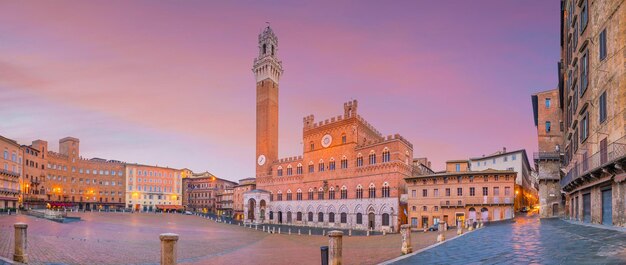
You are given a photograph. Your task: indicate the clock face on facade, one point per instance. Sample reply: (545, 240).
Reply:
(327, 140)
(261, 160)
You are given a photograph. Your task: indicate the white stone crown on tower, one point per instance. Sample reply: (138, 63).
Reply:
(267, 65)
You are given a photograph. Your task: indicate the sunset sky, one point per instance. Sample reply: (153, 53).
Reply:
(170, 82)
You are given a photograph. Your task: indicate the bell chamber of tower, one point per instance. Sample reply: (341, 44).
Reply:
(267, 65)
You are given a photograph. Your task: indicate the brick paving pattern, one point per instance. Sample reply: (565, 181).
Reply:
(529, 240)
(133, 238)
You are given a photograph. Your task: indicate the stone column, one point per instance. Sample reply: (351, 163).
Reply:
(334, 247)
(442, 229)
(405, 229)
(20, 254)
(168, 248)
(459, 228)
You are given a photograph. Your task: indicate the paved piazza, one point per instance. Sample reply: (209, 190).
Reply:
(124, 238)
(529, 241)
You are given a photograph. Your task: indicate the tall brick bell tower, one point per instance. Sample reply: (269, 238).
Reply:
(267, 70)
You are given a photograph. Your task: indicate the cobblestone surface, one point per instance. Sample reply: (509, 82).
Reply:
(529, 240)
(126, 238)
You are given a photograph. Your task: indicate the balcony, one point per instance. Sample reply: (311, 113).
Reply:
(9, 191)
(9, 173)
(475, 201)
(590, 167)
(547, 156)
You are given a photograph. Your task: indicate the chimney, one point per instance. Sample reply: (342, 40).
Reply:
(503, 149)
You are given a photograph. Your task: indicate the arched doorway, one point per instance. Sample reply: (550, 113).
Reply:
(262, 206)
(385, 219)
(484, 214)
(289, 217)
(280, 217)
(472, 215)
(371, 223)
(555, 209)
(251, 208)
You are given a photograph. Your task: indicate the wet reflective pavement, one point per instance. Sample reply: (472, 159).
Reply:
(529, 240)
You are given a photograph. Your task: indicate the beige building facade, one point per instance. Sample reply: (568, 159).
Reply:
(10, 173)
(152, 188)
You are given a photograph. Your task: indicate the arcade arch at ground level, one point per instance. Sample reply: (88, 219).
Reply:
(380, 214)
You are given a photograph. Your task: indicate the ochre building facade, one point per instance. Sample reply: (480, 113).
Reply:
(460, 196)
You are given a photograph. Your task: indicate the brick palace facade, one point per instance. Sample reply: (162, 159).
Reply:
(349, 174)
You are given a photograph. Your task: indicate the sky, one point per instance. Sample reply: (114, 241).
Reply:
(169, 83)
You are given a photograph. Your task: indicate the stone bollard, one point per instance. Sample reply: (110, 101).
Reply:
(405, 229)
(274, 230)
(368, 233)
(309, 231)
(20, 254)
(290, 231)
(168, 248)
(334, 247)
(256, 227)
(299, 231)
(279, 230)
(323, 232)
(350, 232)
(263, 228)
(459, 229)
(442, 236)
(384, 232)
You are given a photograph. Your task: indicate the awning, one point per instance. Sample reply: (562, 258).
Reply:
(169, 207)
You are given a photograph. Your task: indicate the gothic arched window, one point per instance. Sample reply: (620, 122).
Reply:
(344, 162)
(299, 169)
(372, 191)
(386, 155)
(372, 158)
(385, 190)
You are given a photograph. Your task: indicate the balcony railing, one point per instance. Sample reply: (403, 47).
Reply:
(546, 156)
(478, 200)
(11, 191)
(10, 173)
(613, 152)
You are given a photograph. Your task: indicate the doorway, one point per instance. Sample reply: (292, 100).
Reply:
(607, 207)
(371, 223)
(587, 208)
(555, 209)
